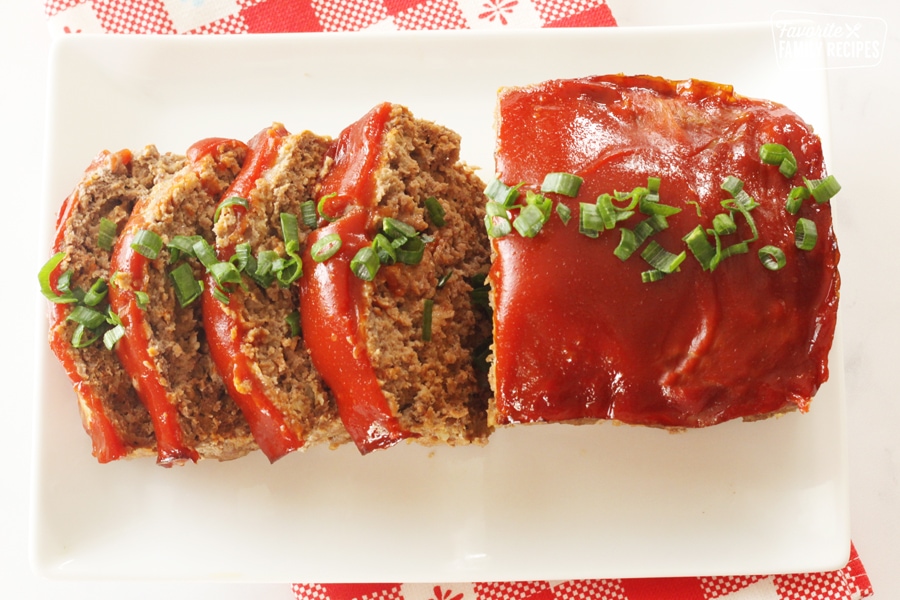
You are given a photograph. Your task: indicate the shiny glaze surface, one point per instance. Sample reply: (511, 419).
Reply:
(579, 336)
(225, 329)
(331, 295)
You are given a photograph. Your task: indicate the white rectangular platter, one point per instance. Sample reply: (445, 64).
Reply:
(544, 502)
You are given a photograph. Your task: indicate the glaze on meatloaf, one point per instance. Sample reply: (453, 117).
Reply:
(396, 344)
(667, 314)
(259, 352)
(111, 412)
(164, 348)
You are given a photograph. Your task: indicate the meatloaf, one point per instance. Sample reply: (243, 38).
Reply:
(163, 348)
(686, 275)
(253, 328)
(88, 221)
(386, 300)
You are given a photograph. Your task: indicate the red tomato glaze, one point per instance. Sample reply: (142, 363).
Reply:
(578, 335)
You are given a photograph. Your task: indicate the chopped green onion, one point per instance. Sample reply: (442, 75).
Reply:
(738, 248)
(290, 230)
(112, 336)
(219, 294)
(326, 247)
(823, 190)
(696, 206)
(233, 201)
(606, 210)
(795, 199)
(365, 264)
(501, 193)
(435, 211)
(142, 299)
(106, 236)
(242, 256)
(147, 244)
(97, 293)
(777, 154)
(653, 184)
(78, 335)
(293, 321)
(628, 243)
(652, 275)
(387, 254)
(321, 207)
(394, 229)
(426, 319)
(44, 280)
(590, 223)
(566, 184)
(661, 259)
(497, 225)
(187, 288)
(262, 268)
(724, 224)
(182, 244)
(541, 202)
(805, 234)
(444, 278)
(564, 212)
(732, 185)
(84, 315)
(411, 252)
(698, 243)
(224, 273)
(649, 206)
(772, 257)
(205, 253)
(308, 213)
(529, 221)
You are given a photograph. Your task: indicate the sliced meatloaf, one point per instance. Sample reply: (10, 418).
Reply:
(394, 336)
(88, 222)
(253, 328)
(164, 348)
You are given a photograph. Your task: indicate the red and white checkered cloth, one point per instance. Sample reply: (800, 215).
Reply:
(270, 16)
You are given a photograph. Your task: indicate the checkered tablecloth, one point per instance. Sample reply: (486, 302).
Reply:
(271, 16)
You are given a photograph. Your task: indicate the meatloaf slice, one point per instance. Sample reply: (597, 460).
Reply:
(255, 341)
(111, 412)
(394, 336)
(164, 348)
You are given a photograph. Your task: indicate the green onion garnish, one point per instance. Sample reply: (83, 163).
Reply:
(435, 211)
(628, 243)
(187, 288)
(652, 275)
(724, 224)
(84, 315)
(795, 199)
(365, 264)
(326, 247)
(106, 236)
(698, 243)
(147, 244)
(529, 221)
(501, 193)
(396, 229)
(290, 230)
(387, 254)
(242, 256)
(308, 213)
(142, 298)
(805, 234)
(607, 211)
(97, 293)
(426, 319)
(772, 257)
(182, 244)
(777, 154)
(661, 259)
(590, 222)
(44, 281)
(205, 253)
(78, 339)
(497, 225)
(293, 321)
(411, 252)
(566, 184)
(233, 201)
(444, 279)
(564, 212)
(321, 207)
(224, 273)
(823, 190)
(112, 336)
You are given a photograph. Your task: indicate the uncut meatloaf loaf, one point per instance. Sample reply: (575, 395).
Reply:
(259, 351)
(388, 315)
(112, 414)
(696, 280)
(163, 348)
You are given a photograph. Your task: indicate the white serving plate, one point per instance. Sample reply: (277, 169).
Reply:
(544, 502)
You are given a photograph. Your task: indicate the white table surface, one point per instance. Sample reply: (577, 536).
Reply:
(865, 128)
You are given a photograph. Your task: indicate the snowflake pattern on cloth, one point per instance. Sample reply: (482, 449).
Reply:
(278, 16)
